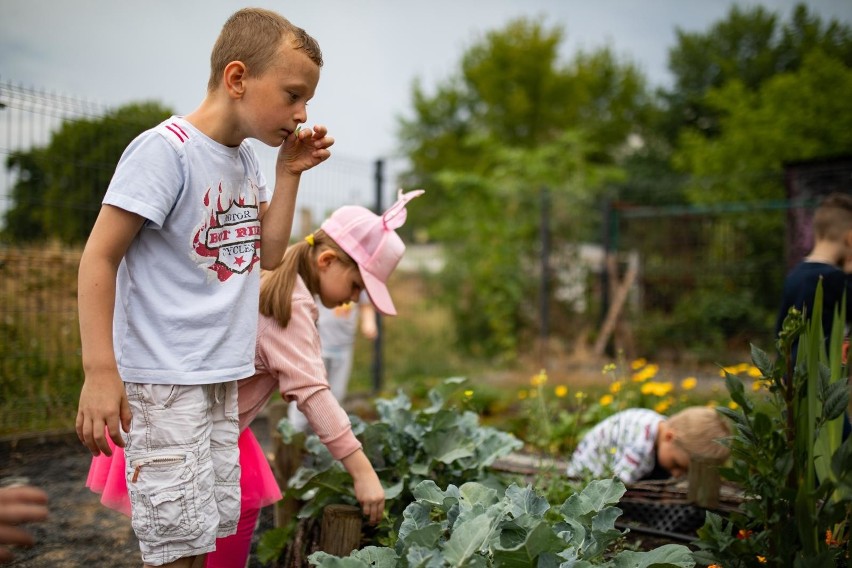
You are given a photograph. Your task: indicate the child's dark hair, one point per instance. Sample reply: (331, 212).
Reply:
(833, 217)
(253, 36)
(276, 286)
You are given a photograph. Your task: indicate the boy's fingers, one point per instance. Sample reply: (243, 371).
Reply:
(126, 415)
(84, 432)
(99, 439)
(114, 429)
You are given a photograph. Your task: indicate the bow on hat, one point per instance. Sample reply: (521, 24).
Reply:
(395, 215)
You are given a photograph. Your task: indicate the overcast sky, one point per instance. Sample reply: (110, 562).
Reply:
(115, 52)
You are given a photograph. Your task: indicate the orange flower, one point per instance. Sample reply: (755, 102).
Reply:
(743, 534)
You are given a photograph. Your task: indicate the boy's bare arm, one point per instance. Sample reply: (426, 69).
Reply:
(302, 151)
(103, 402)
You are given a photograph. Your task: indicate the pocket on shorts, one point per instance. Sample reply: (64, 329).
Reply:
(164, 497)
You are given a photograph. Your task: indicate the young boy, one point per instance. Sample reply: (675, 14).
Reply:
(830, 260)
(169, 283)
(638, 444)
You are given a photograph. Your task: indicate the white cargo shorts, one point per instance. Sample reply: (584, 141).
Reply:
(182, 467)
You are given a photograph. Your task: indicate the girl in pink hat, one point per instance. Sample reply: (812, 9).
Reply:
(354, 250)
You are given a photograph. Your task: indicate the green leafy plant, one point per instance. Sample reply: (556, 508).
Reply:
(788, 456)
(478, 526)
(405, 446)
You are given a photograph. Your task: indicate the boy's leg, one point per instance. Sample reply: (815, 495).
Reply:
(170, 471)
(224, 449)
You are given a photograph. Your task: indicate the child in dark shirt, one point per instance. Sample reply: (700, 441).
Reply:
(829, 261)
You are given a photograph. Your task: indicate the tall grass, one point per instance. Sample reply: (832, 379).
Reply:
(40, 369)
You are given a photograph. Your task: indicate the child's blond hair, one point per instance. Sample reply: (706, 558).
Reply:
(699, 430)
(253, 36)
(276, 286)
(833, 217)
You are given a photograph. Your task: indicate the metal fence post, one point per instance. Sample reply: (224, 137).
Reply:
(544, 290)
(378, 359)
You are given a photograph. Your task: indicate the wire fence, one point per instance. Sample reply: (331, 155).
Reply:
(40, 364)
(672, 282)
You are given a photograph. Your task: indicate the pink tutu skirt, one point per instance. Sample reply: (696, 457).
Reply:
(257, 482)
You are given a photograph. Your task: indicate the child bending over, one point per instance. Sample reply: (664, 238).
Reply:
(638, 443)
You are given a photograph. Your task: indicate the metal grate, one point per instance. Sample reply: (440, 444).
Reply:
(668, 517)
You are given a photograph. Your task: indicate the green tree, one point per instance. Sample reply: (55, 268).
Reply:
(60, 186)
(512, 90)
(751, 46)
(797, 115)
(513, 120)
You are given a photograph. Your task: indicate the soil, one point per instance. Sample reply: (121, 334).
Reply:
(80, 531)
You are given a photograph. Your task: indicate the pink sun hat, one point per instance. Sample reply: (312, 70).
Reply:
(372, 242)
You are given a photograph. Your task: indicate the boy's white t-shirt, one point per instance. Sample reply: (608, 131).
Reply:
(623, 444)
(187, 290)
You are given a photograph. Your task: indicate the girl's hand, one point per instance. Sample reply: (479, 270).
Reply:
(368, 488)
(371, 496)
(303, 150)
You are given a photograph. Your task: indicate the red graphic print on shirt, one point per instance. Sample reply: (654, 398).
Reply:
(231, 235)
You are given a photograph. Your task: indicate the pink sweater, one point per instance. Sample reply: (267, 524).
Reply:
(289, 358)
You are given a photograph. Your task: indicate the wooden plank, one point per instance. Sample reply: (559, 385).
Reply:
(615, 308)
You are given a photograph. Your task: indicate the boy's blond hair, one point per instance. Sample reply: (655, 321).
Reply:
(833, 217)
(253, 36)
(699, 430)
(276, 286)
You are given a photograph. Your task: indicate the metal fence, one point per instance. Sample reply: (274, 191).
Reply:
(665, 282)
(40, 368)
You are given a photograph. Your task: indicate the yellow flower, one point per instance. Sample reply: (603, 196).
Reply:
(688, 383)
(468, 393)
(663, 405)
(539, 379)
(608, 368)
(638, 364)
(755, 386)
(656, 388)
(646, 373)
(615, 387)
(606, 400)
(761, 559)
(560, 391)
(754, 372)
(733, 405)
(580, 395)
(522, 394)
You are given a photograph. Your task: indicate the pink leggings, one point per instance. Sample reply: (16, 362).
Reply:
(233, 551)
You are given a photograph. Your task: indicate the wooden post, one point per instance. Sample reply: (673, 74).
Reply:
(615, 308)
(285, 462)
(341, 529)
(704, 482)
